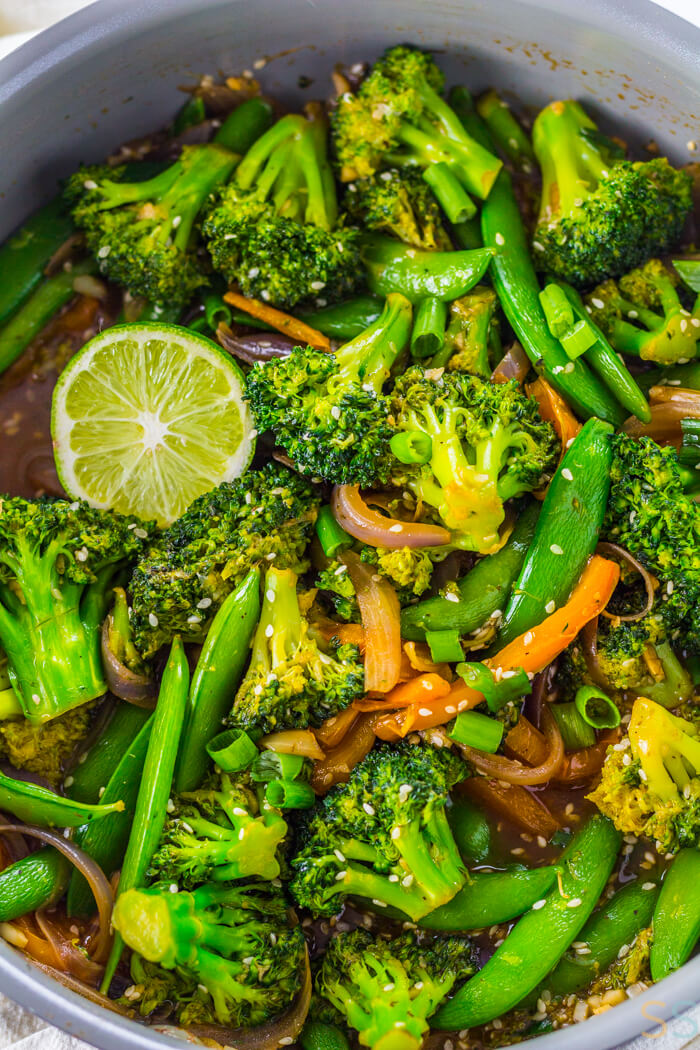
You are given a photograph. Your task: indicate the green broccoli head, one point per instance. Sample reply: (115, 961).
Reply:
(327, 411)
(399, 202)
(274, 230)
(654, 791)
(45, 749)
(58, 563)
(600, 215)
(291, 681)
(409, 569)
(388, 990)
(216, 834)
(384, 836)
(472, 335)
(397, 117)
(650, 515)
(237, 959)
(488, 445)
(642, 314)
(142, 232)
(183, 577)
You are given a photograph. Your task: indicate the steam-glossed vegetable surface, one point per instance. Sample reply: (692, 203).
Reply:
(349, 584)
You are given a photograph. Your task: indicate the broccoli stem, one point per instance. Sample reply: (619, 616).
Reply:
(278, 634)
(368, 357)
(509, 135)
(571, 167)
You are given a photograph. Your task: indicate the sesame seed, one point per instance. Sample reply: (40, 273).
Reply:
(369, 810)
(499, 239)
(539, 904)
(68, 782)
(104, 251)
(340, 876)
(425, 712)
(528, 638)
(451, 598)
(318, 285)
(176, 221)
(153, 619)
(335, 412)
(259, 63)
(204, 603)
(379, 904)
(396, 528)
(90, 184)
(649, 886)
(339, 855)
(550, 607)
(567, 475)
(575, 902)
(598, 303)
(173, 887)
(555, 548)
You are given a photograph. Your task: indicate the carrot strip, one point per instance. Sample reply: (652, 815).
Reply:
(346, 633)
(555, 410)
(421, 691)
(428, 714)
(513, 803)
(332, 731)
(535, 649)
(278, 319)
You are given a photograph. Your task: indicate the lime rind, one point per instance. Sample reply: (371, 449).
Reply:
(146, 417)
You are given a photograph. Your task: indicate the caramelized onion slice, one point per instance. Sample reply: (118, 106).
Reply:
(137, 689)
(380, 612)
(363, 523)
(515, 772)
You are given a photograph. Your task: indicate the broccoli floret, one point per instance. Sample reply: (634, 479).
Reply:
(657, 795)
(600, 215)
(291, 681)
(274, 229)
(387, 990)
(636, 657)
(472, 334)
(398, 117)
(142, 232)
(216, 834)
(642, 314)
(651, 516)
(237, 960)
(185, 574)
(399, 202)
(45, 749)
(384, 836)
(409, 569)
(488, 445)
(335, 584)
(58, 563)
(327, 411)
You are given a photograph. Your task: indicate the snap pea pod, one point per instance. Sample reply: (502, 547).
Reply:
(507, 132)
(216, 679)
(491, 897)
(537, 942)
(566, 533)
(616, 923)
(190, 114)
(35, 313)
(315, 1035)
(244, 125)
(24, 256)
(32, 882)
(687, 376)
(481, 592)
(106, 840)
(392, 267)
(38, 805)
(471, 830)
(518, 288)
(154, 787)
(96, 767)
(676, 919)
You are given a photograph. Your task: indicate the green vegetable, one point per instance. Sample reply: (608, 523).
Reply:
(38, 805)
(575, 730)
(481, 593)
(566, 534)
(339, 321)
(538, 940)
(392, 267)
(43, 303)
(291, 682)
(477, 730)
(328, 411)
(232, 751)
(472, 340)
(398, 202)
(24, 256)
(318, 1036)
(290, 794)
(273, 765)
(33, 882)
(99, 763)
(454, 199)
(428, 333)
(676, 922)
(496, 693)
(491, 897)
(332, 537)
(190, 114)
(106, 840)
(507, 132)
(245, 125)
(616, 923)
(557, 310)
(471, 830)
(412, 446)
(154, 787)
(600, 214)
(596, 708)
(444, 646)
(216, 677)
(689, 272)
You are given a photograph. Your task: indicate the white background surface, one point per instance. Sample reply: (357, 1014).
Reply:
(19, 20)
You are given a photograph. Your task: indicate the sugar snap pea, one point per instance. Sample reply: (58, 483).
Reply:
(37, 805)
(676, 919)
(491, 897)
(216, 678)
(32, 882)
(481, 592)
(315, 1035)
(566, 533)
(392, 267)
(24, 256)
(537, 942)
(155, 784)
(471, 830)
(97, 765)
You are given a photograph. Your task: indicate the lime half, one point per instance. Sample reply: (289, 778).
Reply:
(146, 417)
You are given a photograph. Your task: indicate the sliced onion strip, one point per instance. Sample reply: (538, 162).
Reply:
(380, 613)
(362, 523)
(515, 772)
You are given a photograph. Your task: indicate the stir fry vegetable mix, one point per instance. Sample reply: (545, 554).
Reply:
(396, 730)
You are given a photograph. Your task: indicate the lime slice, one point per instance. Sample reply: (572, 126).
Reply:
(146, 417)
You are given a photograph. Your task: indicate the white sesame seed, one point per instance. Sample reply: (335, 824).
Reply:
(567, 475)
(369, 810)
(90, 184)
(153, 619)
(340, 876)
(104, 251)
(451, 597)
(173, 887)
(539, 904)
(575, 902)
(269, 631)
(550, 607)
(649, 886)
(499, 239)
(555, 548)
(425, 712)
(204, 603)
(379, 904)
(318, 285)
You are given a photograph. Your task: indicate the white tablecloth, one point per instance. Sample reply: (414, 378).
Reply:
(20, 1030)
